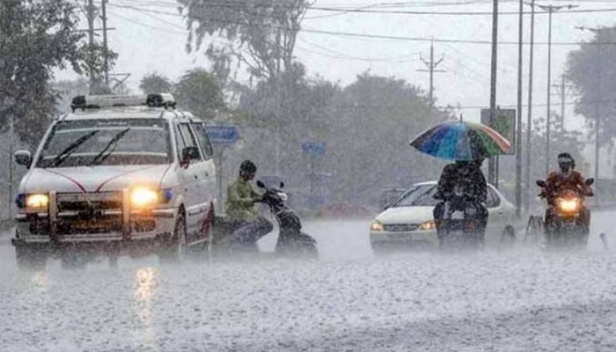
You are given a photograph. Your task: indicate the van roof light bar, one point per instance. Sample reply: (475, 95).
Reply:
(160, 100)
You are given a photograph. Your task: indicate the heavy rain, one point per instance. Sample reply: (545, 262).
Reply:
(307, 175)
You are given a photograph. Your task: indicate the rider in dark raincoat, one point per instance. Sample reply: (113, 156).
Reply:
(466, 179)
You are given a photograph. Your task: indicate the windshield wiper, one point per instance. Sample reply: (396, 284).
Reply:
(102, 156)
(59, 159)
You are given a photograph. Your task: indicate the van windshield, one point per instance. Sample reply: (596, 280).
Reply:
(106, 142)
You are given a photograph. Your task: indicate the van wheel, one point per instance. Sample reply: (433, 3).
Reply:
(30, 258)
(175, 248)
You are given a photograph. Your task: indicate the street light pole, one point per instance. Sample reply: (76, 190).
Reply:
(492, 176)
(548, 117)
(550, 9)
(529, 117)
(518, 145)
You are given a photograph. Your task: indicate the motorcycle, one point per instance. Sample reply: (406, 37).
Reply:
(565, 226)
(292, 242)
(461, 225)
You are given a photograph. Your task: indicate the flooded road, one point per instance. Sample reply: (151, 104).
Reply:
(518, 300)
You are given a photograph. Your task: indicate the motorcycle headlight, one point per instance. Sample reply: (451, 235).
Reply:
(37, 201)
(569, 205)
(376, 226)
(144, 197)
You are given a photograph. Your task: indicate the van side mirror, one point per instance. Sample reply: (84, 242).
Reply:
(23, 157)
(590, 181)
(541, 183)
(190, 153)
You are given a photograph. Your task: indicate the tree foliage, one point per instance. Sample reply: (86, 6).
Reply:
(592, 70)
(366, 127)
(155, 83)
(373, 121)
(258, 34)
(35, 38)
(199, 92)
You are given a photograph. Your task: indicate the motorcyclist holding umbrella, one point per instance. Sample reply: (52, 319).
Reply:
(462, 183)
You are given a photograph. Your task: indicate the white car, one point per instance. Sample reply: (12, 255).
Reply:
(409, 220)
(119, 171)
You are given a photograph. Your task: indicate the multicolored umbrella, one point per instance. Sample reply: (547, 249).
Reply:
(459, 140)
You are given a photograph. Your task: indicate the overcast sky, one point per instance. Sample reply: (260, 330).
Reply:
(148, 40)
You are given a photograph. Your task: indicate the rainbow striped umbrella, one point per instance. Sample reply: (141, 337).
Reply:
(458, 140)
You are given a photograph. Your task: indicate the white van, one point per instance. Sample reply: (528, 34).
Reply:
(119, 172)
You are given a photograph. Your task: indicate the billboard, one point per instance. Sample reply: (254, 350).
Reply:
(504, 123)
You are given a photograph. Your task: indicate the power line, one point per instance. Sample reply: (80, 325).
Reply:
(368, 36)
(370, 9)
(403, 58)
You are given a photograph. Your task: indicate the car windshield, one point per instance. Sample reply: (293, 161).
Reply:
(418, 196)
(107, 142)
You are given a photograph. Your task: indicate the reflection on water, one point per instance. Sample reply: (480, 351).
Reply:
(146, 286)
(40, 280)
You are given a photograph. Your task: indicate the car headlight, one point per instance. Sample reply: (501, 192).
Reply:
(428, 225)
(37, 201)
(144, 197)
(376, 226)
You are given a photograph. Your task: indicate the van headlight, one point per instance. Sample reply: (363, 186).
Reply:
(376, 226)
(144, 197)
(37, 200)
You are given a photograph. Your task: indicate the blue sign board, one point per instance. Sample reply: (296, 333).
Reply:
(314, 148)
(222, 134)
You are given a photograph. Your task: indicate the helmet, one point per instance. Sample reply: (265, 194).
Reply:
(247, 167)
(566, 162)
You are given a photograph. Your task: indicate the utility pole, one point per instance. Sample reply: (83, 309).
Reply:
(518, 144)
(105, 47)
(90, 11)
(492, 174)
(562, 89)
(550, 9)
(11, 170)
(431, 69)
(529, 117)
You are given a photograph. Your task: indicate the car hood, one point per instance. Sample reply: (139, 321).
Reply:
(89, 179)
(405, 215)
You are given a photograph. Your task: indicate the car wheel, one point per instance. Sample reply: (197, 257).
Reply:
(534, 229)
(508, 237)
(380, 250)
(175, 248)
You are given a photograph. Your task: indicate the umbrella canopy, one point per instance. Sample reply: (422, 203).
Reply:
(459, 140)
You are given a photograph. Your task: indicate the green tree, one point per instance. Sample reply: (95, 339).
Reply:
(155, 83)
(93, 66)
(36, 37)
(200, 93)
(591, 69)
(259, 34)
(373, 121)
